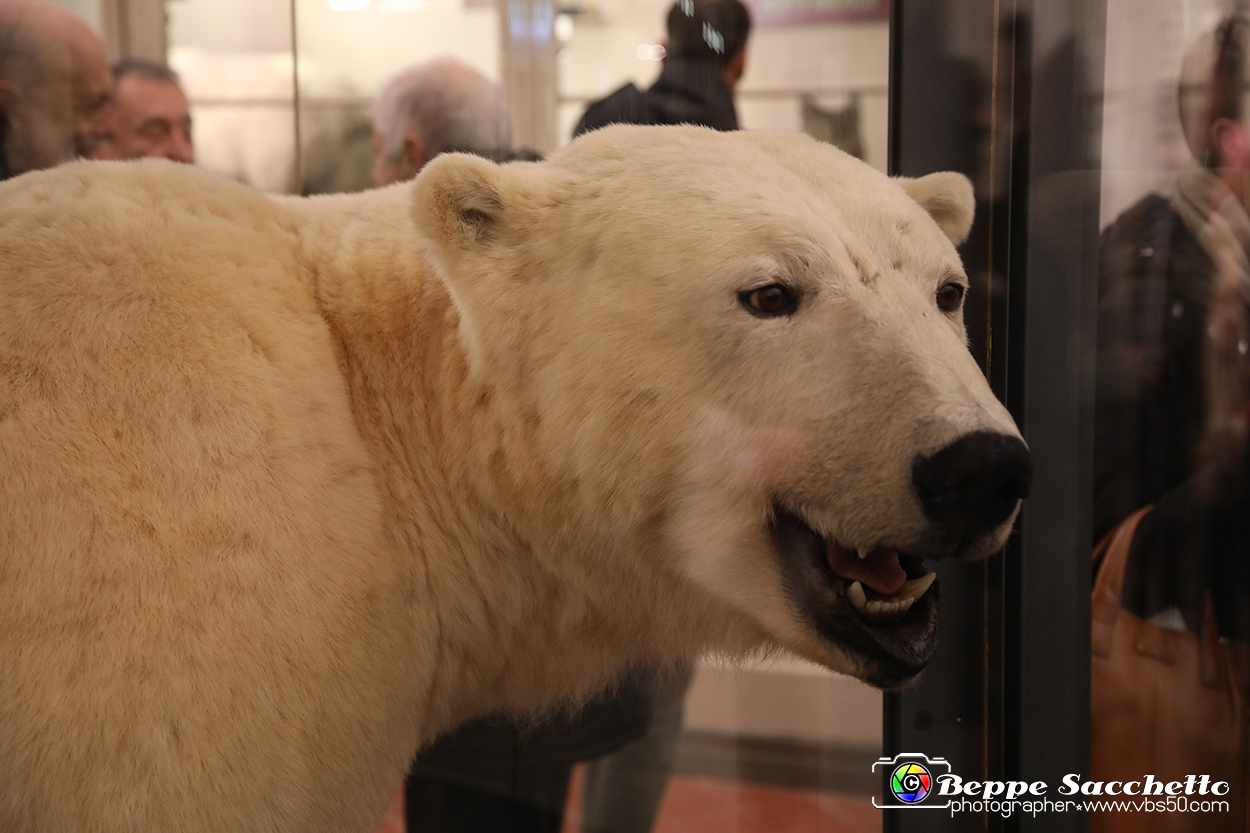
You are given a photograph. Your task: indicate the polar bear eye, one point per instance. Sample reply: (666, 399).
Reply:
(770, 300)
(950, 296)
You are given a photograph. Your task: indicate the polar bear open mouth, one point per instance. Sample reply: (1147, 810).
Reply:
(880, 609)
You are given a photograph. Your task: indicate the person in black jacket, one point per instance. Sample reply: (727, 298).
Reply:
(704, 59)
(1172, 406)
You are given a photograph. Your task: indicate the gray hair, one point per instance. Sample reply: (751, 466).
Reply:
(151, 70)
(452, 106)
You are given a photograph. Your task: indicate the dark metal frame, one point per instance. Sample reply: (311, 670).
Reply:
(1007, 695)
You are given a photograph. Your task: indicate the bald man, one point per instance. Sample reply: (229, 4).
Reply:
(54, 87)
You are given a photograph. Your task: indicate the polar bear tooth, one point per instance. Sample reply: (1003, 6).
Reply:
(856, 594)
(864, 552)
(882, 609)
(888, 609)
(916, 588)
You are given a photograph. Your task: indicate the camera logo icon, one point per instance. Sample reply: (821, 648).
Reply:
(910, 779)
(911, 782)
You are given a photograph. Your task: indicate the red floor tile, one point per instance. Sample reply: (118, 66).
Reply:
(704, 805)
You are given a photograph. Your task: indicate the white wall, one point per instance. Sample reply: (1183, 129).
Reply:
(785, 698)
(89, 10)
(362, 49)
(349, 50)
(820, 57)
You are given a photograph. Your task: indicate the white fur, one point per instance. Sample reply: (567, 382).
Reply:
(280, 501)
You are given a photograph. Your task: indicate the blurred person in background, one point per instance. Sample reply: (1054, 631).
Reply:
(151, 115)
(442, 106)
(1173, 398)
(705, 58)
(1171, 421)
(54, 87)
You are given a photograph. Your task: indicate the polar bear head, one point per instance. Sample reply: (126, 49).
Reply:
(745, 355)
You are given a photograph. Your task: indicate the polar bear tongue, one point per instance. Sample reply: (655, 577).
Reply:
(880, 570)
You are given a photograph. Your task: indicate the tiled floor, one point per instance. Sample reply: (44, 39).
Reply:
(705, 805)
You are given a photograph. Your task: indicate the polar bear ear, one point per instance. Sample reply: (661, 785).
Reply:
(948, 198)
(460, 201)
(471, 213)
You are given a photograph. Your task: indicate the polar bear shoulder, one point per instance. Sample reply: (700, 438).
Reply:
(180, 464)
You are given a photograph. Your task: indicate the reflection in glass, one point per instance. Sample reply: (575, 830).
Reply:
(236, 60)
(1169, 674)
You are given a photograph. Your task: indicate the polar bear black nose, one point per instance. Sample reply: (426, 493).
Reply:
(972, 485)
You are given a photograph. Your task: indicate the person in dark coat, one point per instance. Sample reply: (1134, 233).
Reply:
(704, 59)
(1172, 403)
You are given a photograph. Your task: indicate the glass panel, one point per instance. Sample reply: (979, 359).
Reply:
(827, 75)
(777, 745)
(349, 49)
(235, 61)
(955, 111)
(1171, 617)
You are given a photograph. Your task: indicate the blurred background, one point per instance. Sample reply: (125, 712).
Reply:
(249, 65)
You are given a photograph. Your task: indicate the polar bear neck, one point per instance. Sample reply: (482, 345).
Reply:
(531, 615)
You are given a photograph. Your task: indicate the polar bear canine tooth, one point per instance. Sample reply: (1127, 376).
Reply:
(864, 552)
(856, 594)
(916, 588)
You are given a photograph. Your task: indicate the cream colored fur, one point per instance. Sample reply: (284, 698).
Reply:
(287, 487)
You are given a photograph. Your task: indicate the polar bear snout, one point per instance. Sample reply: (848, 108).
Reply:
(972, 486)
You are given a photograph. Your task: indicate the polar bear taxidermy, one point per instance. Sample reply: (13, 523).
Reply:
(289, 486)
